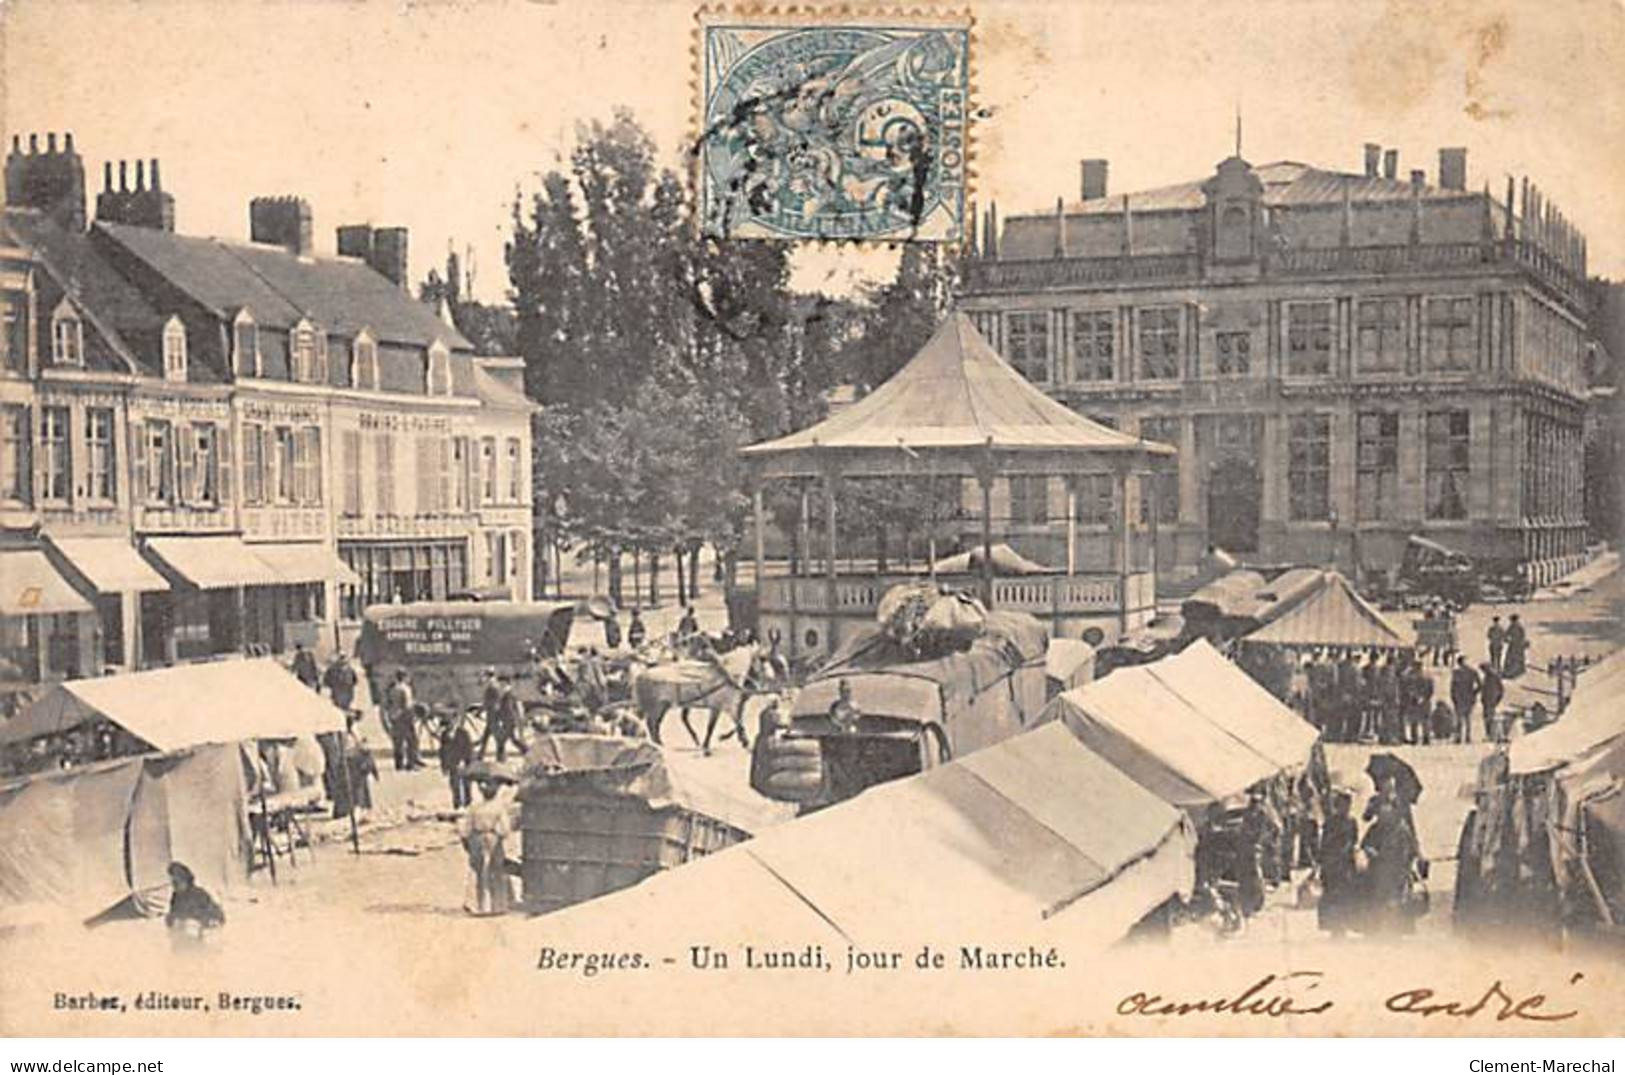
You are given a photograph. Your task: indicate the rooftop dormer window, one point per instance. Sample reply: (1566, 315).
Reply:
(438, 374)
(245, 344)
(364, 361)
(174, 350)
(67, 336)
(308, 354)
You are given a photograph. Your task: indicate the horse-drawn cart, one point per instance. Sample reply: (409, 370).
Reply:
(447, 648)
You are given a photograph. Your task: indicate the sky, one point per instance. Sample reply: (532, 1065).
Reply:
(432, 114)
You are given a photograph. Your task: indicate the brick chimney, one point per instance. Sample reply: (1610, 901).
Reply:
(355, 241)
(1093, 179)
(1453, 168)
(1373, 159)
(1390, 164)
(52, 181)
(282, 221)
(389, 254)
(148, 205)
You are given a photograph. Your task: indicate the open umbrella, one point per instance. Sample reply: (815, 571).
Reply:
(1406, 782)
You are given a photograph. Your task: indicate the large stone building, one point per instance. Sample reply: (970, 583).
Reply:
(210, 445)
(1341, 359)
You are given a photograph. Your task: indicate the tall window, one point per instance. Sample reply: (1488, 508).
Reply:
(1094, 335)
(1308, 339)
(496, 557)
(16, 469)
(438, 373)
(1309, 466)
(57, 456)
(174, 350)
(460, 463)
(282, 445)
(1233, 353)
(1451, 340)
(307, 449)
(428, 474)
(1027, 338)
(160, 461)
(384, 461)
(1096, 496)
(1165, 483)
(488, 470)
(350, 449)
(364, 361)
(253, 463)
(67, 338)
(1376, 469)
(1159, 343)
(1029, 499)
(13, 336)
(1379, 334)
(245, 345)
(515, 471)
(302, 345)
(202, 484)
(1448, 464)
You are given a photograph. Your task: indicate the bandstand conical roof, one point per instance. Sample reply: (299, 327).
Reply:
(955, 397)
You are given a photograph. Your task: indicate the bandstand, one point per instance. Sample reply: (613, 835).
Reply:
(959, 411)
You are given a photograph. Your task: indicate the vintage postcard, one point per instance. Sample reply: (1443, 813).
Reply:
(652, 518)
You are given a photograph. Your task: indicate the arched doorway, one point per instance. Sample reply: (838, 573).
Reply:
(1233, 492)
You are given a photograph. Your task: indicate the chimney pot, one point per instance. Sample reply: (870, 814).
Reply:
(1093, 176)
(1390, 164)
(140, 175)
(16, 143)
(1373, 159)
(67, 140)
(155, 184)
(123, 176)
(33, 143)
(1453, 168)
(50, 142)
(107, 175)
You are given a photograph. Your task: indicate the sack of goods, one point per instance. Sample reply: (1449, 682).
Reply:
(902, 609)
(953, 622)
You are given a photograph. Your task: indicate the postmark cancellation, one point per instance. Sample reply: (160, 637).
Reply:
(831, 125)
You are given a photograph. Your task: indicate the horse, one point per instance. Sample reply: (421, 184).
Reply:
(720, 684)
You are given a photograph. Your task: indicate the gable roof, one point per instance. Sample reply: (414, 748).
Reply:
(956, 392)
(340, 295)
(1335, 616)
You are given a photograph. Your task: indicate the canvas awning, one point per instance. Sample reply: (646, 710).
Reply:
(171, 708)
(1006, 561)
(1336, 616)
(1236, 702)
(214, 562)
(110, 563)
(304, 562)
(30, 586)
(1594, 716)
(1036, 835)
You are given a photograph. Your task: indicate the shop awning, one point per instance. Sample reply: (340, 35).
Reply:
(302, 562)
(30, 586)
(172, 708)
(214, 562)
(111, 564)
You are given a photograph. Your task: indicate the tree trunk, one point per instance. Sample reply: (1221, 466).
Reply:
(596, 563)
(637, 576)
(694, 570)
(654, 578)
(615, 576)
(682, 584)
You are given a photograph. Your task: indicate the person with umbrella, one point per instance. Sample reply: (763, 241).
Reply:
(1339, 874)
(483, 829)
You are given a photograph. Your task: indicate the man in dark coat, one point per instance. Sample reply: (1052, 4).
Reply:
(1517, 649)
(1348, 698)
(612, 632)
(456, 751)
(340, 681)
(1490, 692)
(1464, 686)
(1497, 637)
(304, 667)
(1339, 875)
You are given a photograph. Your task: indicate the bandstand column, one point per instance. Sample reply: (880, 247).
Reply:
(760, 514)
(984, 477)
(831, 478)
(1071, 525)
(1122, 555)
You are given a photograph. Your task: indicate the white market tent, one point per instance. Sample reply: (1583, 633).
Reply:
(188, 705)
(1335, 615)
(1594, 715)
(1036, 836)
(1192, 728)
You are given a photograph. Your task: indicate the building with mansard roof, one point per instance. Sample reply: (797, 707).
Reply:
(1341, 359)
(213, 445)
